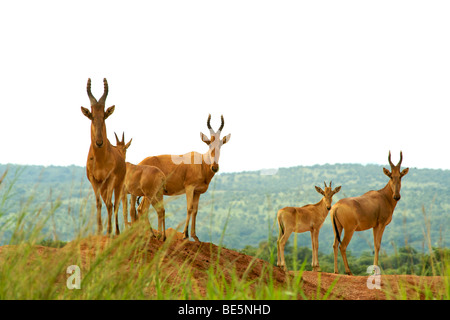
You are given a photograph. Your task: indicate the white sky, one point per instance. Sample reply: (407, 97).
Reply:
(298, 82)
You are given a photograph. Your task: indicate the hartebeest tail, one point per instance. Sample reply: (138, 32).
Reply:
(333, 220)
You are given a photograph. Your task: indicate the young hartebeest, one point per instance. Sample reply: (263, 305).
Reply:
(302, 219)
(105, 167)
(373, 209)
(190, 173)
(143, 181)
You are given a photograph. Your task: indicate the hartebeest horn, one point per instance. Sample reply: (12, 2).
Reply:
(222, 123)
(325, 184)
(105, 92)
(401, 158)
(208, 122)
(91, 97)
(123, 138)
(398, 164)
(389, 159)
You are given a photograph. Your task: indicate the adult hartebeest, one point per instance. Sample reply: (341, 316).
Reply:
(143, 181)
(373, 209)
(190, 173)
(302, 219)
(105, 167)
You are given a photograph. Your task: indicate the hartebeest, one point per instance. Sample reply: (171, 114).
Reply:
(373, 209)
(190, 173)
(105, 167)
(302, 219)
(143, 181)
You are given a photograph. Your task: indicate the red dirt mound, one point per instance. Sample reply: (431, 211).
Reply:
(202, 255)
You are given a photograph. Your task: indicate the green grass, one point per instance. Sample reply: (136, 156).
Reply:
(34, 266)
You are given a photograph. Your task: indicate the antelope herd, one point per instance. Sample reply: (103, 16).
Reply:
(191, 174)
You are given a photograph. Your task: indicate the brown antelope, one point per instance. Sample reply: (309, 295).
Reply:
(143, 181)
(105, 167)
(307, 218)
(373, 209)
(190, 173)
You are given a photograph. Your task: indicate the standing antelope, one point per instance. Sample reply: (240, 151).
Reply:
(143, 180)
(307, 218)
(190, 173)
(373, 209)
(105, 167)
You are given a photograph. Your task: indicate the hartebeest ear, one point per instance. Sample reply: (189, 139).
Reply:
(128, 144)
(226, 138)
(205, 138)
(109, 111)
(337, 189)
(404, 172)
(387, 172)
(87, 113)
(319, 190)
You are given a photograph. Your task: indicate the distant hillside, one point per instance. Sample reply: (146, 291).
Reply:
(244, 204)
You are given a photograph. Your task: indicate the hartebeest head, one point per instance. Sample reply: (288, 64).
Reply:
(121, 146)
(396, 176)
(97, 115)
(214, 143)
(328, 194)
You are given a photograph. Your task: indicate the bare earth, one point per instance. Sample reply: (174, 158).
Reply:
(201, 255)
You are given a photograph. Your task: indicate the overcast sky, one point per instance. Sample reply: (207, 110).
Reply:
(298, 82)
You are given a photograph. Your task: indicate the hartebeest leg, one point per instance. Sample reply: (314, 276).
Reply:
(133, 214)
(190, 210)
(315, 249)
(158, 204)
(280, 234)
(142, 213)
(348, 234)
(117, 199)
(125, 209)
(336, 244)
(98, 202)
(335, 251)
(194, 215)
(281, 244)
(377, 235)
(109, 208)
